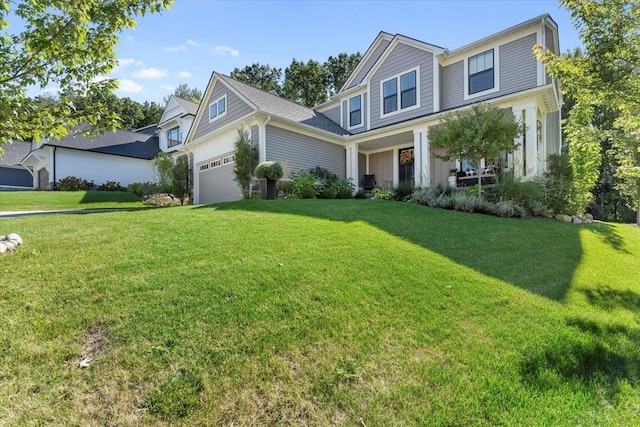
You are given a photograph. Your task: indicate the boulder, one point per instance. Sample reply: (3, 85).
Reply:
(576, 220)
(14, 238)
(562, 217)
(3, 248)
(588, 216)
(9, 245)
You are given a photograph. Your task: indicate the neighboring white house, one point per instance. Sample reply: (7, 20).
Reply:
(14, 176)
(378, 123)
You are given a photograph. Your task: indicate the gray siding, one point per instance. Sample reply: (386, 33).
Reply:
(553, 133)
(236, 108)
(377, 53)
(549, 44)
(295, 151)
(333, 114)
(381, 165)
(255, 136)
(452, 78)
(362, 168)
(345, 115)
(15, 177)
(440, 169)
(517, 72)
(403, 58)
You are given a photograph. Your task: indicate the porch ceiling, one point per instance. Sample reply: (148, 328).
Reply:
(376, 144)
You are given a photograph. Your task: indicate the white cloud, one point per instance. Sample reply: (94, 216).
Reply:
(174, 48)
(129, 86)
(191, 42)
(150, 73)
(226, 50)
(168, 88)
(51, 90)
(125, 61)
(184, 74)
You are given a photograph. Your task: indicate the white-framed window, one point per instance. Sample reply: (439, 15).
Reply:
(400, 93)
(481, 72)
(174, 137)
(229, 159)
(216, 163)
(355, 111)
(218, 108)
(204, 167)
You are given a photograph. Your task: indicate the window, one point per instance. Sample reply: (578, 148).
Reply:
(229, 159)
(481, 75)
(404, 84)
(390, 96)
(355, 111)
(204, 167)
(216, 163)
(218, 108)
(174, 137)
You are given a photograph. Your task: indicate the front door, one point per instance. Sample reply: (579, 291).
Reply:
(406, 169)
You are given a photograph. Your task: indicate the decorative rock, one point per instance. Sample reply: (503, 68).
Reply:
(9, 245)
(588, 216)
(561, 217)
(3, 248)
(576, 220)
(280, 194)
(15, 238)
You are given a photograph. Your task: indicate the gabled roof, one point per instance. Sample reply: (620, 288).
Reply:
(14, 153)
(274, 105)
(191, 107)
(119, 143)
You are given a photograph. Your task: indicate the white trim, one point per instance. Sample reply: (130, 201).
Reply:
(218, 114)
(361, 124)
(366, 57)
(436, 84)
(399, 93)
(496, 74)
(227, 160)
(540, 69)
(368, 93)
(396, 165)
(341, 115)
(213, 164)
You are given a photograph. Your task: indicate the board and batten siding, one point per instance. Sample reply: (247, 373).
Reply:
(381, 165)
(440, 169)
(333, 114)
(517, 72)
(375, 55)
(403, 58)
(255, 136)
(553, 132)
(236, 108)
(345, 114)
(296, 151)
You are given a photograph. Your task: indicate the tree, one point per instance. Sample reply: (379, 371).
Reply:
(163, 164)
(305, 83)
(246, 162)
(339, 68)
(183, 91)
(480, 132)
(605, 76)
(68, 45)
(151, 114)
(261, 76)
(181, 178)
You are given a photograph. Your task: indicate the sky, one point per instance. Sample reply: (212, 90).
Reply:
(196, 37)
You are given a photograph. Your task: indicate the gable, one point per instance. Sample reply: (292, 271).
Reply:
(172, 110)
(235, 108)
(368, 63)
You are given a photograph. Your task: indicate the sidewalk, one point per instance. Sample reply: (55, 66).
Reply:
(14, 214)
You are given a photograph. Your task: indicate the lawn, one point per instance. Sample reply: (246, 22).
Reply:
(55, 200)
(345, 312)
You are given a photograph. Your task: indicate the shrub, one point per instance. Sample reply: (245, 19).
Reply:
(162, 199)
(269, 170)
(326, 191)
(71, 183)
(381, 194)
(323, 175)
(284, 185)
(163, 164)
(505, 208)
(538, 208)
(343, 188)
(142, 189)
(403, 191)
(428, 196)
(111, 186)
(304, 186)
(360, 194)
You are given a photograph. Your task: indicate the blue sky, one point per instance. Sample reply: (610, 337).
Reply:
(187, 43)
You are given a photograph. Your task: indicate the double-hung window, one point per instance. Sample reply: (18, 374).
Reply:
(218, 108)
(406, 87)
(174, 137)
(355, 111)
(481, 72)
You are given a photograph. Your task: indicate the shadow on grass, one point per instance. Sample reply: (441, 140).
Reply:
(537, 255)
(609, 235)
(609, 299)
(108, 197)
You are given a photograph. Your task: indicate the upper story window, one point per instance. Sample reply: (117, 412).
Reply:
(355, 111)
(403, 85)
(481, 72)
(174, 137)
(218, 108)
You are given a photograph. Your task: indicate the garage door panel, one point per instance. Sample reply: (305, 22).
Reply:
(218, 185)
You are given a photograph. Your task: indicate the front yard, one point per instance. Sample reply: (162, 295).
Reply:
(317, 312)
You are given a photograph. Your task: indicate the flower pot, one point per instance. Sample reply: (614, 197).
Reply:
(268, 188)
(452, 181)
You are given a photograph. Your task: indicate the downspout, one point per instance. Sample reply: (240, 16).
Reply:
(54, 169)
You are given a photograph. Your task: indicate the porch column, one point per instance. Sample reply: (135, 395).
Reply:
(531, 155)
(262, 139)
(517, 155)
(422, 158)
(352, 163)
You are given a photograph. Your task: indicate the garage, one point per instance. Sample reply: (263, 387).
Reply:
(216, 180)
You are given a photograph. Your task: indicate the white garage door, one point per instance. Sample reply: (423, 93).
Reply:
(217, 184)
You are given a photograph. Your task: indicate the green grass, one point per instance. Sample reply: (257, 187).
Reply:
(291, 312)
(54, 200)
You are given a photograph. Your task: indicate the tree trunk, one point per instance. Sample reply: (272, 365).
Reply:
(479, 172)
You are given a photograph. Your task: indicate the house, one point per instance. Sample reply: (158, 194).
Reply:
(14, 176)
(121, 156)
(378, 123)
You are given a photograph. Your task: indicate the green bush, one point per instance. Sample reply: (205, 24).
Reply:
(343, 188)
(269, 170)
(111, 186)
(142, 189)
(162, 199)
(284, 185)
(380, 194)
(403, 191)
(304, 186)
(360, 194)
(71, 183)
